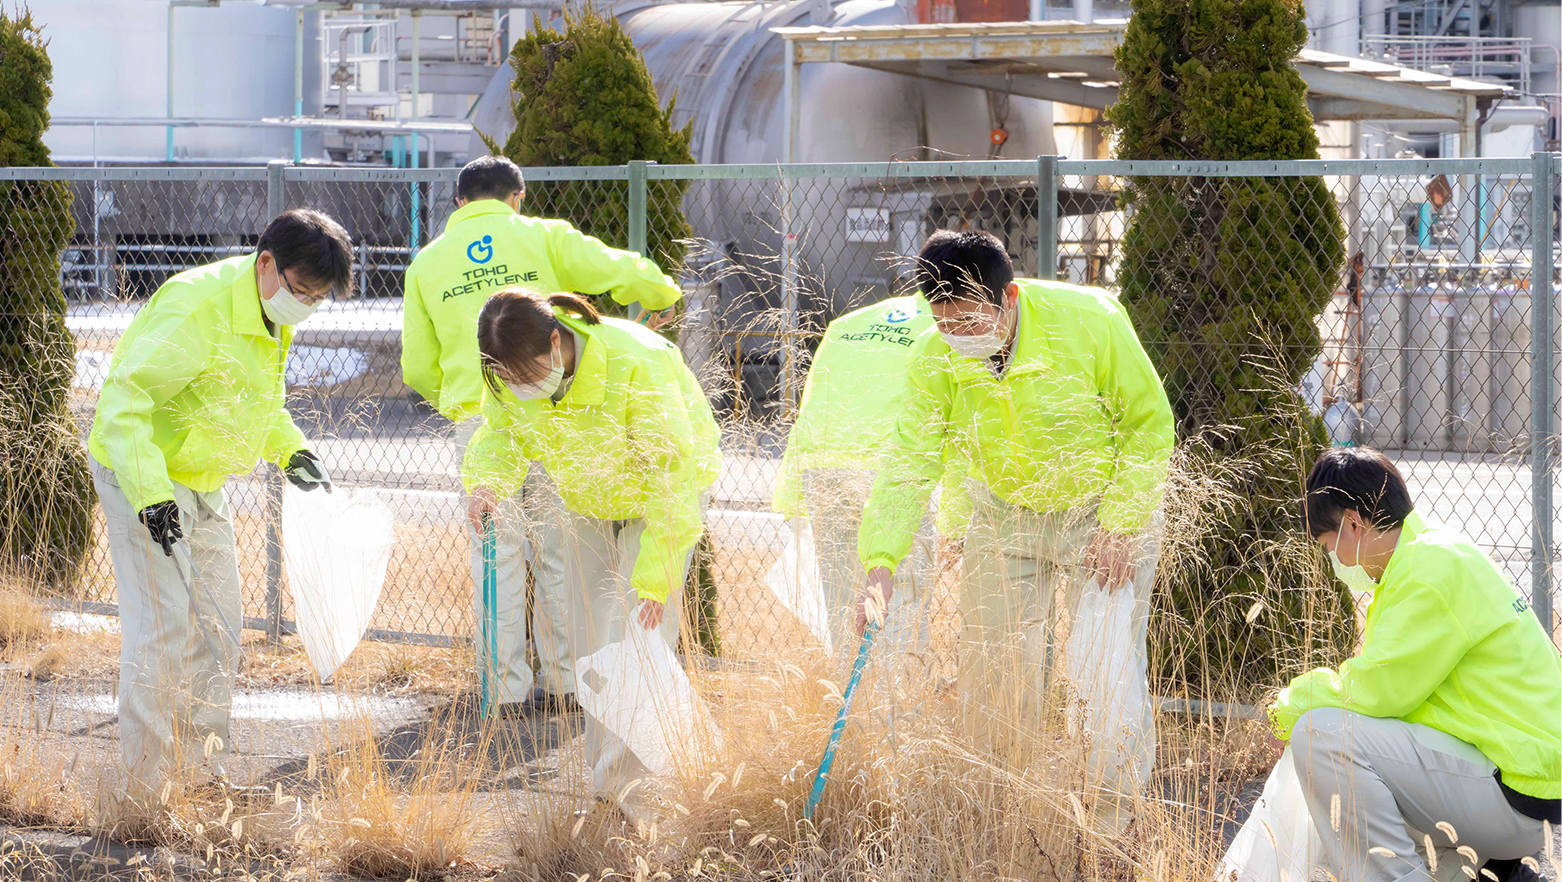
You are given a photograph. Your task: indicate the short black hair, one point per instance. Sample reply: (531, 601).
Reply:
(963, 266)
(1360, 479)
(489, 177)
(313, 244)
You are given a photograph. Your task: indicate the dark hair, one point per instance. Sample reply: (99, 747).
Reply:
(489, 177)
(516, 326)
(312, 243)
(1359, 479)
(963, 266)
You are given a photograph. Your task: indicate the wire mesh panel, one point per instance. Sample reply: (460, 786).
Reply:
(1421, 345)
(135, 229)
(1414, 335)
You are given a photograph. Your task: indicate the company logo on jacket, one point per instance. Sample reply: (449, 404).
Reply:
(481, 250)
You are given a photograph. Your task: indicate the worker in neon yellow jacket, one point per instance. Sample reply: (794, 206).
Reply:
(1444, 729)
(196, 393)
(611, 411)
(1042, 391)
(855, 388)
(488, 245)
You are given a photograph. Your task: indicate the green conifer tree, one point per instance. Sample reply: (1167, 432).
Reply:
(46, 495)
(585, 97)
(1224, 279)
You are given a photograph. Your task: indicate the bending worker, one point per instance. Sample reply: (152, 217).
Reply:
(1444, 730)
(195, 393)
(611, 411)
(487, 245)
(1043, 393)
(855, 388)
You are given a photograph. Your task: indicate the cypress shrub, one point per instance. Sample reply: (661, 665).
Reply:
(585, 97)
(46, 494)
(1224, 279)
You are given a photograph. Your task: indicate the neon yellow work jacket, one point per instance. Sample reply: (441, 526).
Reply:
(632, 437)
(195, 390)
(1078, 419)
(853, 393)
(1450, 644)
(486, 247)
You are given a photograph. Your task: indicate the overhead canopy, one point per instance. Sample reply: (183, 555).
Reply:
(1072, 63)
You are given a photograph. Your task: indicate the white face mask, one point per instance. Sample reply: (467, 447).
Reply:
(547, 386)
(285, 309)
(977, 346)
(1355, 578)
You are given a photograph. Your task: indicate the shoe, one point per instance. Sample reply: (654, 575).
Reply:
(1510, 870)
(545, 703)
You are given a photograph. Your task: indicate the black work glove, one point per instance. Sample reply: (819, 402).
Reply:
(306, 472)
(162, 521)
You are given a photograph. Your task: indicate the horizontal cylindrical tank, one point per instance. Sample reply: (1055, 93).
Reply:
(851, 238)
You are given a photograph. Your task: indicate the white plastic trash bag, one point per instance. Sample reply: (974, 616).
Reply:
(336, 547)
(1279, 841)
(794, 580)
(636, 689)
(1109, 698)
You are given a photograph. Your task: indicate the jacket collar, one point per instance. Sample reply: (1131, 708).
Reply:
(587, 387)
(247, 316)
(1413, 527)
(477, 208)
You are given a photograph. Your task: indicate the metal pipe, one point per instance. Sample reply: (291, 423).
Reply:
(1542, 432)
(169, 76)
(298, 84)
(276, 203)
(417, 34)
(452, 127)
(789, 297)
(341, 61)
(1047, 217)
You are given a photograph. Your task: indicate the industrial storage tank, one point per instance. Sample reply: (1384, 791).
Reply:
(727, 69)
(233, 61)
(851, 239)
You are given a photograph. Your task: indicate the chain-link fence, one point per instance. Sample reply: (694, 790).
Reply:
(1439, 337)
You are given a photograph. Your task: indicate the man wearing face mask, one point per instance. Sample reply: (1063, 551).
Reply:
(1445, 728)
(1041, 391)
(488, 245)
(195, 393)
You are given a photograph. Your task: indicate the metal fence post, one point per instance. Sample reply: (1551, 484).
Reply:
(1542, 446)
(637, 202)
(1046, 217)
(276, 203)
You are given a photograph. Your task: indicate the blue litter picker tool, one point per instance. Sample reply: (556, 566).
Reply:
(489, 623)
(840, 723)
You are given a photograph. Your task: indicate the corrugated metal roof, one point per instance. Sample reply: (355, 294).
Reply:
(1071, 62)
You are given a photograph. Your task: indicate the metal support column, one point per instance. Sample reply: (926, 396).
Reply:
(276, 203)
(1047, 217)
(791, 84)
(637, 207)
(1543, 438)
(636, 231)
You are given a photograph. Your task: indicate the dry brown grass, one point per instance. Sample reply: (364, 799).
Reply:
(23, 621)
(418, 820)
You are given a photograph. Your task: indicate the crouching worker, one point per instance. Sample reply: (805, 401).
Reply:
(626, 435)
(195, 393)
(1443, 730)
